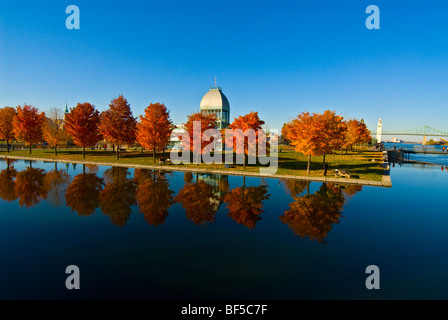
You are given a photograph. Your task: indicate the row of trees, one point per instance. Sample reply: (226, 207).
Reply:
(319, 134)
(86, 126)
(311, 134)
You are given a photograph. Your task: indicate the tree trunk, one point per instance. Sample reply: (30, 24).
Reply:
(118, 152)
(142, 149)
(154, 155)
(7, 146)
(309, 164)
(323, 161)
(56, 151)
(244, 157)
(83, 169)
(30, 148)
(83, 152)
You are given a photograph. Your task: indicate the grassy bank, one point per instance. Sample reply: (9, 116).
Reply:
(357, 162)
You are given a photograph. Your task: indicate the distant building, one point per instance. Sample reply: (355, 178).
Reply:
(215, 102)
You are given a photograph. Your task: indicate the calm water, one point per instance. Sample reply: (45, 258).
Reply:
(170, 235)
(441, 159)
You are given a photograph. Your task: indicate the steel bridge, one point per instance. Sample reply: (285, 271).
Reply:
(420, 131)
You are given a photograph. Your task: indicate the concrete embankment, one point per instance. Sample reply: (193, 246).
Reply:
(386, 182)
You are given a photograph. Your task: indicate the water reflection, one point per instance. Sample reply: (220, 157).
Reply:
(153, 195)
(199, 201)
(118, 196)
(313, 215)
(82, 195)
(29, 186)
(117, 190)
(245, 204)
(7, 183)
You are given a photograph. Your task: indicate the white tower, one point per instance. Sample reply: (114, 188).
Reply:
(379, 130)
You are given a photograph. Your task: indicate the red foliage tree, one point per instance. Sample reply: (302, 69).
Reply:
(117, 124)
(241, 144)
(7, 115)
(82, 124)
(207, 121)
(28, 125)
(155, 127)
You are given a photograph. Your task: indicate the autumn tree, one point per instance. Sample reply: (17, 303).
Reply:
(206, 122)
(117, 124)
(357, 132)
(82, 124)
(7, 115)
(333, 134)
(54, 130)
(28, 125)
(246, 145)
(155, 127)
(304, 133)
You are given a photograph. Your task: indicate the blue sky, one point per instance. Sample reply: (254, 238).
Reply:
(276, 57)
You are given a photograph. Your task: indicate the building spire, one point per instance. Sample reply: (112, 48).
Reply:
(215, 81)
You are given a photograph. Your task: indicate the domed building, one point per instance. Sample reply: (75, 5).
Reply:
(215, 102)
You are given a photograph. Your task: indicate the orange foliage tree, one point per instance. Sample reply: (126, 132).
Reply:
(304, 133)
(7, 115)
(207, 121)
(118, 196)
(117, 124)
(153, 195)
(199, 201)
(82, 124)
(82, 195)
(54, 130)
(333, 133)
(316, 134)
(313, 215)
(154, 129)
(246, 145)
(357, 132)
(245, 204)
(28, 125)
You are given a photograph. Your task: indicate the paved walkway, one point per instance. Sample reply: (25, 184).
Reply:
(386, 181)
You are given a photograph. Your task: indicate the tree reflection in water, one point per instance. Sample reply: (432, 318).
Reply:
(313, 216)
(245, 204)
(199, 201)
(82, 195)
(7, 183)
(153, 195)
(55, 183)
(118, 196)
(29, 186)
